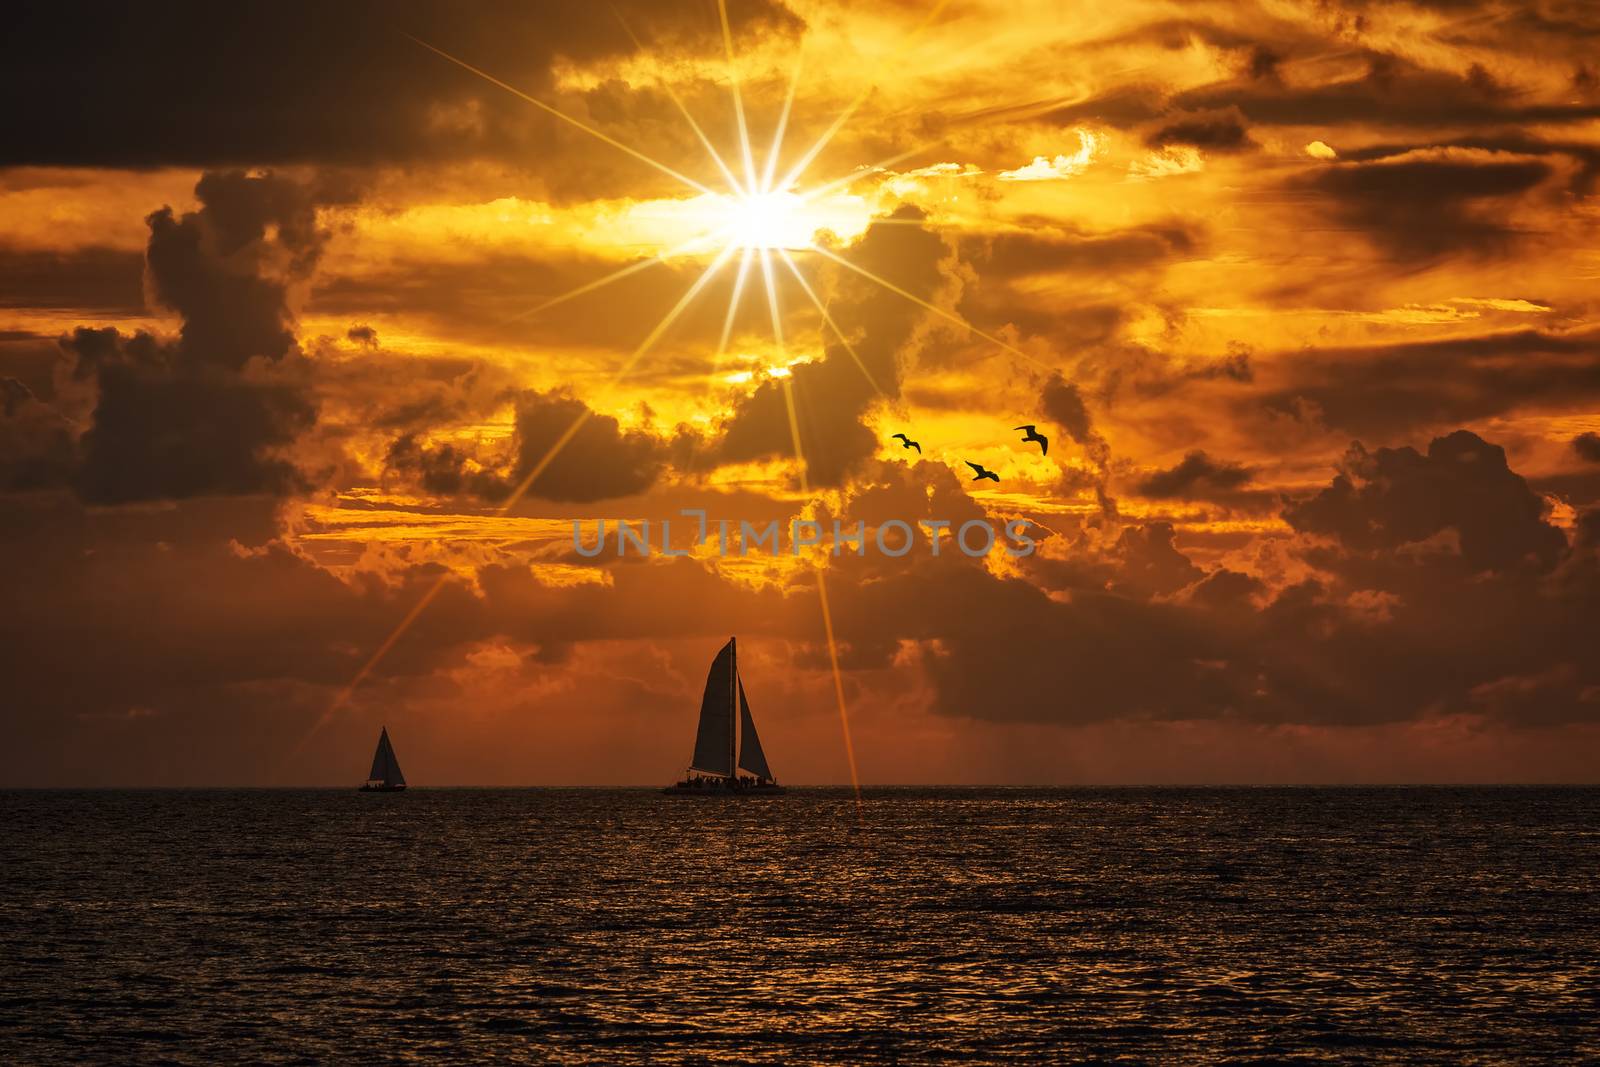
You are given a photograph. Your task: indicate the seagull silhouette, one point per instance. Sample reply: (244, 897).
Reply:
(1035, 435)
(982, 474)
(909, 443)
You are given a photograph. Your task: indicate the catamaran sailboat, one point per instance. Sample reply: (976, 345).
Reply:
(385, 776)
(715, 770)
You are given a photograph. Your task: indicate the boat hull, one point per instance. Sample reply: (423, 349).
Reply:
(382, 789)
(685, 789)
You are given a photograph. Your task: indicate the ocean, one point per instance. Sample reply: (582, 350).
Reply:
(620, 926)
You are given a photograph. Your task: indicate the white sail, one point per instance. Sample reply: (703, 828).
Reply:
(713, 744)
(751, 758)
(385, 768)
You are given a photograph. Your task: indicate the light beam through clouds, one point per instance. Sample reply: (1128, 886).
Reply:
(759, 218)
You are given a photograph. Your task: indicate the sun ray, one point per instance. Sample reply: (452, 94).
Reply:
(563, 116)
(827, 318)
(617, 275)
(711, 149)
(858, 173)
(733, 301)
(827, 613)
(772, 299)
(383, 650)
(738, 101)
(941, 312)
(838, 687)
(755, 220)
(521, 488)
(783, 125)
(844, 116)
(627, 365)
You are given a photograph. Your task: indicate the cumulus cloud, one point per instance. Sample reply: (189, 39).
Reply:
(1196, 477)
(599, 459)
(1420, 208)
(831, 395)
(212, 411)
(1221, 332)
(1215, 131)
(1398, 496)
(1047, 169)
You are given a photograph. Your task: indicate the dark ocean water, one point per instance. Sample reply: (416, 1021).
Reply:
(620, 926)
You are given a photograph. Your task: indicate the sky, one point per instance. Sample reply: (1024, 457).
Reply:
(321, 326)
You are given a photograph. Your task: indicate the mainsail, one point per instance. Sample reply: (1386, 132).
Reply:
(385, 768)
(713, 745)
(751, 758)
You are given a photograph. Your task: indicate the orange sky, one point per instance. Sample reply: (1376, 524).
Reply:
(308, 315)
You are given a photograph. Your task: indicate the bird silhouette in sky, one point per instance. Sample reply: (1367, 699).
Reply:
(1035, 435)
(908, 443)
(982, 473)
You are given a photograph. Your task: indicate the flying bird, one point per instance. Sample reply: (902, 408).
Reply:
(1035, 435)
(982, 473)
(908, 443)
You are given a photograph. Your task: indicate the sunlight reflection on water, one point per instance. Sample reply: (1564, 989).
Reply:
(622, 926)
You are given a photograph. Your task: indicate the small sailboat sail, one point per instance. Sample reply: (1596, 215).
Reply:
(713, 744)
(751, 758)
(723, 744)
(385, 775)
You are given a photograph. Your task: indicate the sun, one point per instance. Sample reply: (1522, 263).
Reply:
(769, 220)
(756, 221)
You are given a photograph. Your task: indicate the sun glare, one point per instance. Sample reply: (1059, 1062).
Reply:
(757, 221)
(768, 220)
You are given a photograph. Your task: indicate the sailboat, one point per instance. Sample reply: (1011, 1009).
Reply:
(385, 776)
(714, 770)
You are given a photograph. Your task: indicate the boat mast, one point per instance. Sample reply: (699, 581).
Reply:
(733, 709)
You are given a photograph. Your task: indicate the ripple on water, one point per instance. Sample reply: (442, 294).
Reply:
(621, 927)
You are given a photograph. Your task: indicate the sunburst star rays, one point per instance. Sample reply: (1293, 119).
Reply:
(757, 225)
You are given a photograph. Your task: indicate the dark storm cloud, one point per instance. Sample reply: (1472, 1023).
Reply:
(1047, 248)
(599, 461)
(1392, 92)
(1587, 446)
(306, 82)
(1150, 563)
(193, 616)
(1398, 496)
(38, 446)
(832, 394)
(402, 391)
(211, 411)
(102, 280)
(596, 460)
(1396, 390)
(1439, 589)
(161, 432)
(1062, 403)
(215, 266)
(443, 469)
(226, 642)
(1217, 131)
(1196, 477)
(1586, 155)
(1400, 623)
(1424, 208)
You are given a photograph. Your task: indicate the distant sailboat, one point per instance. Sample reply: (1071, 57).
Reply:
(385, 776)
(715, 767)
